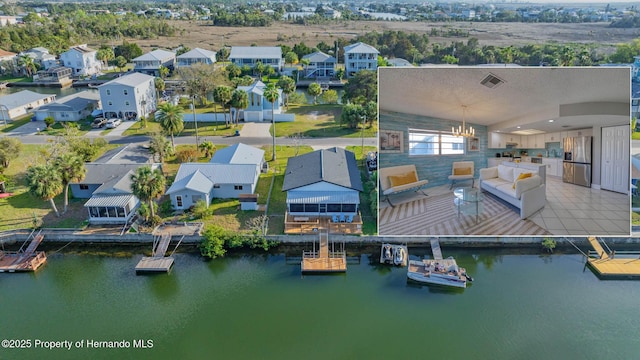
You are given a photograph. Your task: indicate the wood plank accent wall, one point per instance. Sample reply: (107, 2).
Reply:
(437, 168)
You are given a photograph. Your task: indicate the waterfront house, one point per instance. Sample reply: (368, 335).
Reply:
(232, 171)
(524, 120)
(74, 107)
(40, 56)
(196, 56)
(259, 108)
(250, 55)
(320, 65)
(82, 60)
(360, 56)
(20, 103)
(128, 97)
(323, 185)
(150, 63)
(55, 76)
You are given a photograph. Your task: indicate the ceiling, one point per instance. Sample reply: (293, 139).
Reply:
(529, 97)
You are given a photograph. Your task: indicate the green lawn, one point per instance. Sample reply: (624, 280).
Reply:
(635, 135)
(14, 124)
(204, 129)
(59, 129)
(319, 121)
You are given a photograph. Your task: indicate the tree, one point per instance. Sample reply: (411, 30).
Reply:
(222, 95)
(240, 101)
(48, 121)
(271, 94)
(291, 58)
(160, 146)
(105, 53)
(288, 86)
(28, 64)
(329, 97)
(352, 115)
(314, 90)
(127, 50)
(120, 62)
(259, 68)
(44, 182)
(223, 54)
(160, 86)
(233, 71)
(371, 112)
(305, 62)
(148, 185)
(10, 149)
(71, 169)
(213, 239)
(362, 87)
(163, 71)
(170, 118)
(207, 147)
(340, 73)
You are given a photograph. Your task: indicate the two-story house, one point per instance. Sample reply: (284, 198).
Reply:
(360, 56)
(196, 56)
(150, 63)
(82, 60)
(259, 108)
(128, 97)
(250, 55)
(320, 65)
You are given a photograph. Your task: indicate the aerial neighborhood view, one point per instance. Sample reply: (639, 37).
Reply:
(284, 179)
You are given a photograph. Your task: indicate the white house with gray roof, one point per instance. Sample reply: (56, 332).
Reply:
(74, 107)
(82, 60)
(128, 97)
(20, 103)
(323, 183)
(196, 56)
(250, 55)
(150, 62)
(320, 65)
(360, 56)
(232, 171)
(259, 108)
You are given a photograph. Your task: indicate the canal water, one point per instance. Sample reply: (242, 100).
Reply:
(258, 306)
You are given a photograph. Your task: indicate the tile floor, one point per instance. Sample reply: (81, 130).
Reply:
(578, 210)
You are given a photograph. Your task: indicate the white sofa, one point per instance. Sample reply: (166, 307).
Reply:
(528, 194)
(408, 172)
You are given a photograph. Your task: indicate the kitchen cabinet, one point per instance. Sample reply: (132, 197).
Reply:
(552, 137)
(581, 132)
(493, 162)
(560, 169)
(496, 140)
(510, 138)
(551, 166)
(533, 141)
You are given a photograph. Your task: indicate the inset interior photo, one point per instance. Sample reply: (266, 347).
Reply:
(504, 151)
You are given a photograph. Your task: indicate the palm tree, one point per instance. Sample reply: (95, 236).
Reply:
(206, 146)
(288, 86)
(148, 185)
(171, 119)
(240, 101)
(163, 71)
(271, 94)
(305, 62)
(160, 146)
(222, 95)
(29, 64)
(71, 169)
(44, 182)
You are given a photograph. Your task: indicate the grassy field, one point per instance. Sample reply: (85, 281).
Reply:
(59, 129)
(204, 129)
(319, 121)
(635, 135)
(14, 124)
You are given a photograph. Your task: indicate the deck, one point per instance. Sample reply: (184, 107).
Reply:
(325, 260)
(294, 224)
(154, 265)
(24, 260)
(612, 265)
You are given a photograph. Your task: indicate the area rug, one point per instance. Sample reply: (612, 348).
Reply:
(437, 215)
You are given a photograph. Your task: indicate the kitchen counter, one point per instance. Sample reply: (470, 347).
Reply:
(553, 165)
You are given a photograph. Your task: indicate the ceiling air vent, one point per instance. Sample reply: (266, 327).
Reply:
(491, 81)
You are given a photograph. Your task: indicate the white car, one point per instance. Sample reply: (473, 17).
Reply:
(112, 123)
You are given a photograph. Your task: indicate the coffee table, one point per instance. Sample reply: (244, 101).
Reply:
(468, 201)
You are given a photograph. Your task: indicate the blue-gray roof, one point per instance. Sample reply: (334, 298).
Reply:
(360, 48)
(133, 80)
(336, 166)
(319, 56)
(75, 102)
(238, 154)
(196, 181)
(156, 55)
(219, 173)
(197, 53)
(255, 52)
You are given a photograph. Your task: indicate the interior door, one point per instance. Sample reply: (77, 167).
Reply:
(615, 158)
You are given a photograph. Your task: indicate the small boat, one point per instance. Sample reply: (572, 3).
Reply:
(386, 254)
(399, 255)
(445, 272)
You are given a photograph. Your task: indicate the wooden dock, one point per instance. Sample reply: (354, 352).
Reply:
(435, 249)
(325, 260)
(609, 265)
(24, 259)
(158, 262)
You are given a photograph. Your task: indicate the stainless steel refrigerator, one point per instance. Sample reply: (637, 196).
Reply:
(577, 160)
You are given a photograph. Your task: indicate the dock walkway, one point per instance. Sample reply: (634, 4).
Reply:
(608, 265)
(24, 260)
(158, 262)
(435, 249)
(324, 260)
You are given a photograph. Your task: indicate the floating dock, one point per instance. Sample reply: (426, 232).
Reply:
(325, 260)
(158, 262)
(608, 264)
(24, 259)
(435, 249)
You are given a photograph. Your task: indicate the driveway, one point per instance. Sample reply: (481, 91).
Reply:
(117, 132)
(255, 130)
(30, 128)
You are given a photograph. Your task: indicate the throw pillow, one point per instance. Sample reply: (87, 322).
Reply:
(402, 179)
(520, 177)
(462, 171)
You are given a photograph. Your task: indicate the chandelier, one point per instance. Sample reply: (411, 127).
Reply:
(462, 130)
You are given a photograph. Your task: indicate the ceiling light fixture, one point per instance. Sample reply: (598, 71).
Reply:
(462, 130)
(551, 120)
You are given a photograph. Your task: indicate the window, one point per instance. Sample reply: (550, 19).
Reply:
(108, 92)
(433, 142)
(334, 208)
(237, 187)
(296, 207)
(350, 208)
(126, 103)
(84, 187)
(216, 186)
(110, 103)
(125, 91)
(311, 208)
(179, 201)
(93, 212)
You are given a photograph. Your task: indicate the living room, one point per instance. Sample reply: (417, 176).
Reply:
(566, 129)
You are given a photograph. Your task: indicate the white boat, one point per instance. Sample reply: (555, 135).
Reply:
(399, 255)
(445, 272)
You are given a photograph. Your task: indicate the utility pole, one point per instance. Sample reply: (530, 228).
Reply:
(195, 122)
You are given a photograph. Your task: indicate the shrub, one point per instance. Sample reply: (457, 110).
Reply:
(549, 244)
(201, 209)
(187, 155)
(212, 245)
(155, 221)
(49, 120)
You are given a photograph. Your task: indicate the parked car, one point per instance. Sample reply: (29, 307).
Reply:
(112, 123)
(98, 123)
